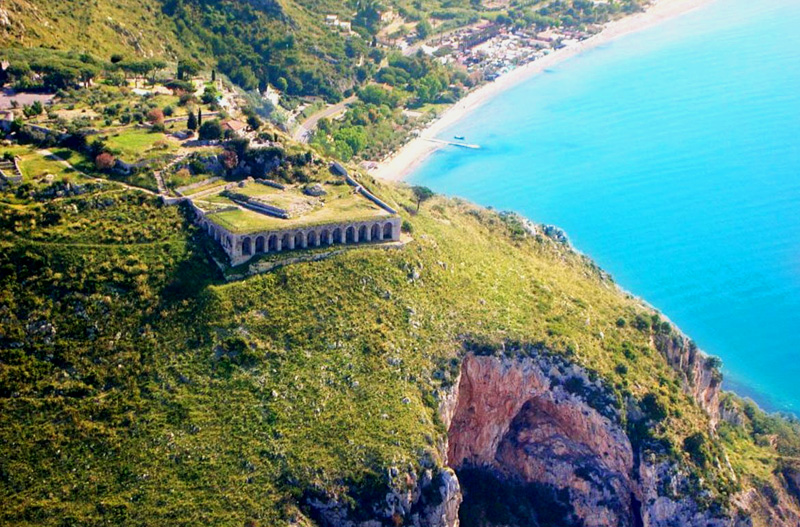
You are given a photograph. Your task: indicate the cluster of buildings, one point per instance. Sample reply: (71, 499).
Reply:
(333, 21)
(492, 49)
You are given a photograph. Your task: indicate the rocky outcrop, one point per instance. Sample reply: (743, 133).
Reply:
(535, 440)
(701, 377)
(517, 419)
(429, 500)
(546, 431)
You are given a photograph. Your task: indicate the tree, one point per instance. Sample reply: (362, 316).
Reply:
(424, 29)
(211, 130)
(191, 122)
(421, 194)
(155, 116)
(253, 122)
(187, 68)
(33, 110)
(104, 161)
(213, 75)
(199, 117)
(229, 159)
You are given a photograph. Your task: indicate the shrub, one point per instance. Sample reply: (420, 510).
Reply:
(694, 445)
(155, 116)
(211, 130)
(104, 161)
(653, 408)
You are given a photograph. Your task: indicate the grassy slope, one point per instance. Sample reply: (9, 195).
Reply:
(98, 27)
(134, 388)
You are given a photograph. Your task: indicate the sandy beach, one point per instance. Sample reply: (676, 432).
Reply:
(402, 162)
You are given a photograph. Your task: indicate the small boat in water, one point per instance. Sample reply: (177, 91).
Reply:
(459, 137)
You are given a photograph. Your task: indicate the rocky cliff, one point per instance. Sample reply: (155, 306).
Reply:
(553, 447)
(700, 373)
(535, 440)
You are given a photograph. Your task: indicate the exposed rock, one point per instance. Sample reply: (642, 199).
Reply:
(315, 190)
(513, 420)
(534, 439)
(701, 378)
(426, 501)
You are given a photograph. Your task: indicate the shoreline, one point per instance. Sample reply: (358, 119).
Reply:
(413, 153)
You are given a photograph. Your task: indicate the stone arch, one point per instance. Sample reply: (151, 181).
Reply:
(363, 234)
(337, 235)
(311, 239)
(229, 241)
(350, 234)
(387, 231)
(286, 242)
(376, 232)
(210, 227)
(247, 246)
(325, 237)
(260, 248)
(300, 240)
(272, 244)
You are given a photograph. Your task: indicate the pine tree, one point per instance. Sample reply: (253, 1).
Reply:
(199, 117)
(191, 122)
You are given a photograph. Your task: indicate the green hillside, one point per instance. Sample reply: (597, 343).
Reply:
(138, 388)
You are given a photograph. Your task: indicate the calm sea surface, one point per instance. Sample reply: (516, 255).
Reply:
(672, 157)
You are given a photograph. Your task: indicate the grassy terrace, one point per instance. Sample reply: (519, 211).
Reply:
(34, 165)
(340, 204)
(136, 144)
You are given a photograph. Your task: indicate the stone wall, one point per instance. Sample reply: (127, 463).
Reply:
(242, 247)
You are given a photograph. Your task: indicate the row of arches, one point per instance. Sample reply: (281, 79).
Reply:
(320, 237)
(219, 236)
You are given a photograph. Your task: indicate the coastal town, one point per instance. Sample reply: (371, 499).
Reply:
(189, 134)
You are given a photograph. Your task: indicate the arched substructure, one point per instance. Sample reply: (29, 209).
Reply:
(210, 229)
(337, 235)
(300, 240)
(272, 244)
(350, 235)
(387, 231)
(375, 234)
(325, 237)
(363, 234)
(260, 245)
(287, 242)
(312, 240)
(247, 246)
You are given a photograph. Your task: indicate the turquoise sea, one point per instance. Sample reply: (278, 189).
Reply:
(671, 157)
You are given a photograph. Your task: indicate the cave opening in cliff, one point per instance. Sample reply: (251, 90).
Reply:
(490, 499)
(529, 453)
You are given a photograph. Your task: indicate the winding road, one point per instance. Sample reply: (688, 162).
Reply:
(304, 129)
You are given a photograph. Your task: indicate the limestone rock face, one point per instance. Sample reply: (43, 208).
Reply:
(526, 424)
(521, 424)
(536, 440)
(430, 500)
(701, 380)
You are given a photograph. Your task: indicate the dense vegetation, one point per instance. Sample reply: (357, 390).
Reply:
(135, 386)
